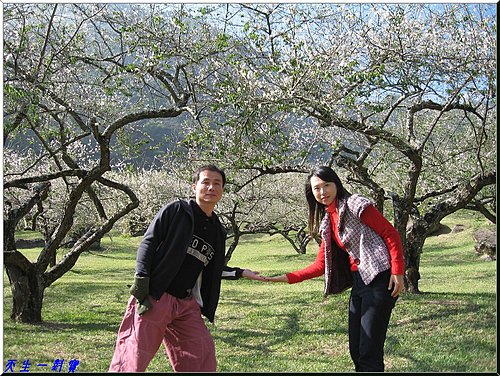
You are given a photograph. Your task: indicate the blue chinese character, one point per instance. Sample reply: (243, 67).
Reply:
(26, 366)
(9, 367)
(57, 366)
(73, 363)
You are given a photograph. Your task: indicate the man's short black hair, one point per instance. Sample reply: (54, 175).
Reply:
(209, 167)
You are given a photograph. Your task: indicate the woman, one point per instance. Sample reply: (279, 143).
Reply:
(359, 248)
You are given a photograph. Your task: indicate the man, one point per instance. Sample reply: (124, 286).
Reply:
(179, 266)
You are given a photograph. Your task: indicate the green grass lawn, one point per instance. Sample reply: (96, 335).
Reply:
(264, 327)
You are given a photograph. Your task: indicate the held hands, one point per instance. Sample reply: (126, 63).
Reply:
(247, 273)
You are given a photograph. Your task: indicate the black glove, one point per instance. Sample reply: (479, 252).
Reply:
(140, 289)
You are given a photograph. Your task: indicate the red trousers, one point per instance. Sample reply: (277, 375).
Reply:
(175, 322)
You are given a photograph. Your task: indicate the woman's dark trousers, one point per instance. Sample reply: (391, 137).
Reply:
(370, 309)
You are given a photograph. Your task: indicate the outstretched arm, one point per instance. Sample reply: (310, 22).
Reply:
(278, 278)
(237, 273)
(247, 273)
(316, 269)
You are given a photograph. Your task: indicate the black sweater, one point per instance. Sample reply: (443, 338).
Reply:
(164, 246)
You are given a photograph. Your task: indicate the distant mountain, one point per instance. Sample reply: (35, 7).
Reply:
(147, 140)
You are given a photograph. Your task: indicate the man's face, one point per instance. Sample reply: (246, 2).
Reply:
(209, 187)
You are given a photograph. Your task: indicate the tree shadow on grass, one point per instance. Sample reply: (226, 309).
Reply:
(49, 329)
(448, 308)
(437, 313)
(84, 327)
(263, 299)
(112, 254)
(267, 334)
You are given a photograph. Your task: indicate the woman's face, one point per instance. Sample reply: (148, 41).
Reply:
(324, 192)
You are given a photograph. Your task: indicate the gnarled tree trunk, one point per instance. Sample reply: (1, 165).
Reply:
(27, 295)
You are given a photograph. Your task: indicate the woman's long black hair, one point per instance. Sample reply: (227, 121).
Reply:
(316, 209)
